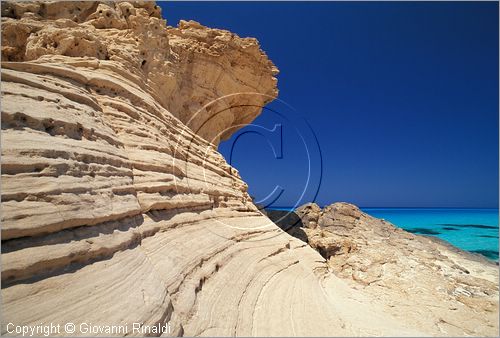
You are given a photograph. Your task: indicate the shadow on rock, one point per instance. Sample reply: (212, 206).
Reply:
(289, 221)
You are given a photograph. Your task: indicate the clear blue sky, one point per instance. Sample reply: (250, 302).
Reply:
(402, 97)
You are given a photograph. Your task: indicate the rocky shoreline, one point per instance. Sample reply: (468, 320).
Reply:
(457, 290)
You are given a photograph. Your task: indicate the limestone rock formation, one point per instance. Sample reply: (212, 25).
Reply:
(116, 207)
(107, 183)
(211, 80)
(446, 289)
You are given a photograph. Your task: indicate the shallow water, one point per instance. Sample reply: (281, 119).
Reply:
(474, 230)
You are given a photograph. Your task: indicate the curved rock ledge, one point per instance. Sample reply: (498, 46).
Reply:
(439, 288)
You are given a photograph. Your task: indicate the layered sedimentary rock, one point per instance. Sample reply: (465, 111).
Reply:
(116, 207)
(211, 80)
(113, 196)
(417, 278)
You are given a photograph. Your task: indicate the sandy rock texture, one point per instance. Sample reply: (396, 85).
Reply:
(210, 79)
(117, 208)
(416, 278)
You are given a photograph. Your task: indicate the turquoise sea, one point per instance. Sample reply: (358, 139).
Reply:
(474, 230)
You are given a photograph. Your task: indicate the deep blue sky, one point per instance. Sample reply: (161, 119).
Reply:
(402, 97)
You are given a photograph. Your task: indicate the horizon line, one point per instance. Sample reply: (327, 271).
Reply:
(370, 207)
